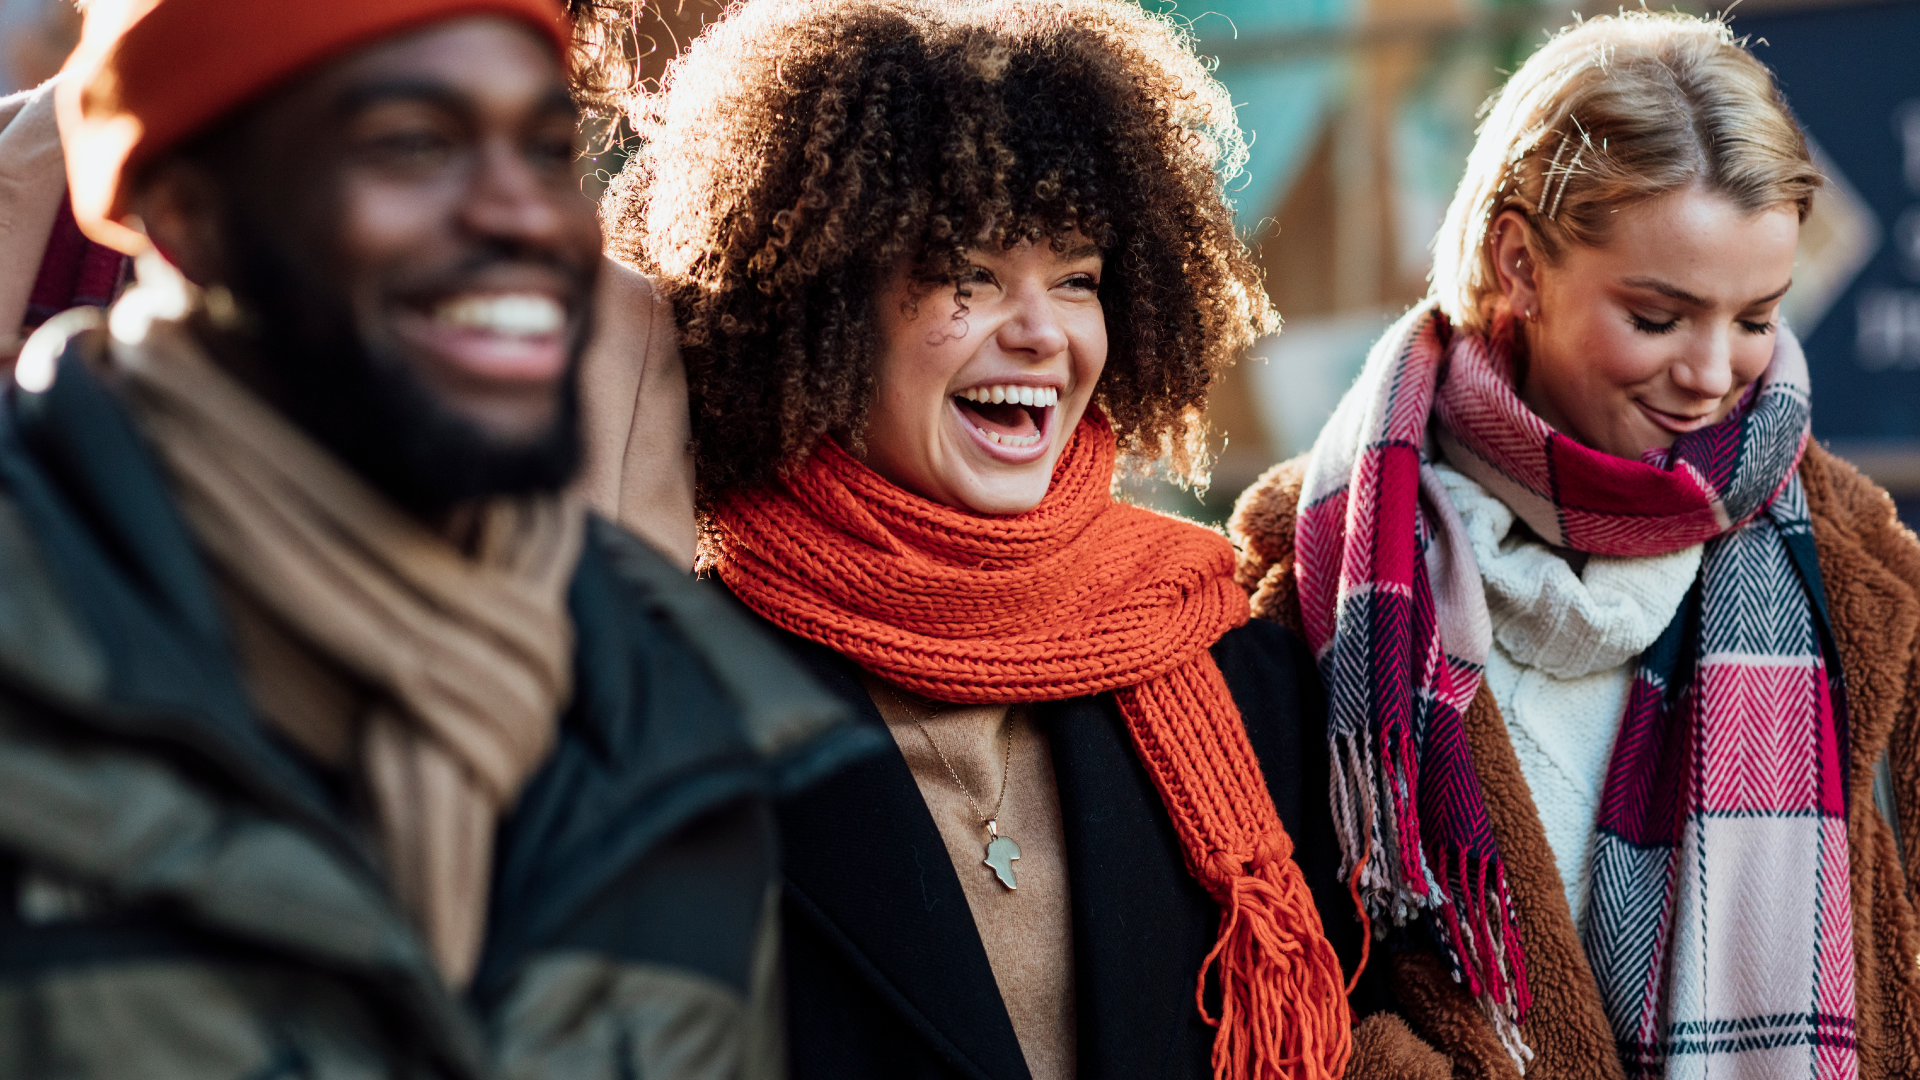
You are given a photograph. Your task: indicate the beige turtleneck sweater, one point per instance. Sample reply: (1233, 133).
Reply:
(1028, 931)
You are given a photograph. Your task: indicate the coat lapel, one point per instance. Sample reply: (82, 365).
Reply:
(1567, 1027)
(1141, 923)
(1869, 564)
(866, 863)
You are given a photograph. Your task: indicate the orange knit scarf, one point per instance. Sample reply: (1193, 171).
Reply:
(1081, 595)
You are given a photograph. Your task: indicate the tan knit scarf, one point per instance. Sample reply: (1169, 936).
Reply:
(434, 677)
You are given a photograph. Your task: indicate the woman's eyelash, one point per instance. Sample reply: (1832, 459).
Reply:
(1648, 326)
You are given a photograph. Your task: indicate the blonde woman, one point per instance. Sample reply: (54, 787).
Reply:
(1614, 649)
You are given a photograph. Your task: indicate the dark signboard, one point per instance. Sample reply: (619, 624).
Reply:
(1852, 75)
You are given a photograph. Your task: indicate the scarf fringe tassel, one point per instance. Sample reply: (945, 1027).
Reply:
(1281, 1004)
(1370, 813)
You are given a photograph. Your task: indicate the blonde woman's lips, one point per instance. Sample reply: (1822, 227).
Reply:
(1679, 425)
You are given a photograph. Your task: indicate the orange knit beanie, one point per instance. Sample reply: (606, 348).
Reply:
(1081, 595)
(150, 73)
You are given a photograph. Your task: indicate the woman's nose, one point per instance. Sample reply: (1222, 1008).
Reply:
(1706, 369)
(1033, 327)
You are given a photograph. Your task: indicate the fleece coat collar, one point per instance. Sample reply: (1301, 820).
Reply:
(1870, 564)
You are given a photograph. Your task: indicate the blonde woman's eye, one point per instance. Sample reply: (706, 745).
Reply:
(1648, 326)
(1752, 327)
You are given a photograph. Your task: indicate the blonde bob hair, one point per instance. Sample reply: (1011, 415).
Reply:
(1611, 112)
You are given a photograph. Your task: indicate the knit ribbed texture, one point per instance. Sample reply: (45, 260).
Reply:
(1081, 595)
(1562, 661)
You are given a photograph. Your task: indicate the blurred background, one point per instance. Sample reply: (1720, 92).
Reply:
(35, 38)
(1361, 113)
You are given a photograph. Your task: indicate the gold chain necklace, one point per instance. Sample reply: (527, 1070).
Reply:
(1001, 850)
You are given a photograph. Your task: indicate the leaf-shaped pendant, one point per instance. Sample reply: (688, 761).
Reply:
(1000, 855)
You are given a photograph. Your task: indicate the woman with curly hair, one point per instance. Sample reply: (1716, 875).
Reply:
(1616, 652)
(939, 268)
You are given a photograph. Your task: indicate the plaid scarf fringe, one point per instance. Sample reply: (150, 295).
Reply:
(1406, 800)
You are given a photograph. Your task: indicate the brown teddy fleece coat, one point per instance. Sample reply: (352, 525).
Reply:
(1871, 567)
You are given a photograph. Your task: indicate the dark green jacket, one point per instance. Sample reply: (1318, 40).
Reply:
(182, 895)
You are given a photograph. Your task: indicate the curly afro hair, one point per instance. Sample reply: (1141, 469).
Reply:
(804, 150)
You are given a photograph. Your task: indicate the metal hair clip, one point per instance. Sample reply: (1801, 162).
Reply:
(1564, 178)
(1553, 170)
(1566, 175)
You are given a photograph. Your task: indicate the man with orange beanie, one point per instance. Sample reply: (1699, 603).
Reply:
(637, 468)
(338, 737)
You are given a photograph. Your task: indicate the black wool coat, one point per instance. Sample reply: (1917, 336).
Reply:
(886, 975)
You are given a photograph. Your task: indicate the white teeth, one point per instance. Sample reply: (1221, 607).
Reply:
(1039, 396)
(1015, 441)
(512, 314)
(1042, 396)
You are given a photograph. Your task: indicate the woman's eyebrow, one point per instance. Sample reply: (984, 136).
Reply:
(1672, 291)
(1685, 297)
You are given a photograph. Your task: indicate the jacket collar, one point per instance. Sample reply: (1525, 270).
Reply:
(94, 500)
(129, 640)
(124, 588)
(905, 920)
(654, 748)
(1139, 920)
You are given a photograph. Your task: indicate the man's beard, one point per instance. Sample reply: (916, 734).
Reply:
(369, 409)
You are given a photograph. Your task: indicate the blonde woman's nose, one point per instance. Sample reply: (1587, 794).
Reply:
(1706, 369)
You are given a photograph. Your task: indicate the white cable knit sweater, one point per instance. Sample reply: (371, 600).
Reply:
(1564, 645)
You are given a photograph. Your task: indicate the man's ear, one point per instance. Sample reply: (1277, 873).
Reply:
(1516, 263)
(179, 203)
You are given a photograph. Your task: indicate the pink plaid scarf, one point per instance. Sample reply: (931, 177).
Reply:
(1720, 923)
